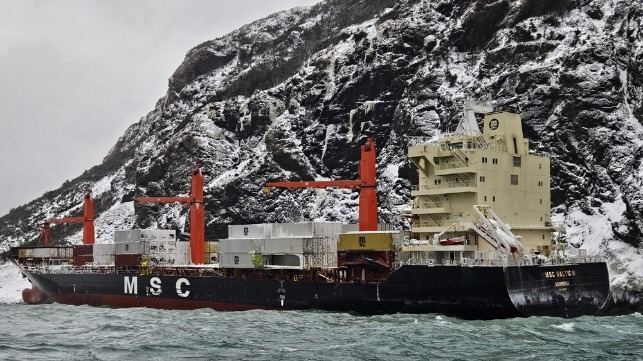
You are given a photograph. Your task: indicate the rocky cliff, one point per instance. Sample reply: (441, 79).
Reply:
(292, 96)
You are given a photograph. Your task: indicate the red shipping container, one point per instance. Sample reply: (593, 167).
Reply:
(81, 260)
(83, 249)
(128, 260)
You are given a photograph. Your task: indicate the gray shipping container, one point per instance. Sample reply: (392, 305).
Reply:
(106, 248)
(144, 235)
(261, 230)
(283, 245)
(235, 260)
(240, 245)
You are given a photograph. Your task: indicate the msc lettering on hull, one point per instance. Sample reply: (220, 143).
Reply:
(130, 286)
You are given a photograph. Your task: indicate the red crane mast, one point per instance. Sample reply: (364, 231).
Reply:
(197, 214)
(87, 219)
(366, 184)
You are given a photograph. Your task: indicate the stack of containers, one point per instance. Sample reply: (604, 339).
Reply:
(242, 243)
(212, 252)
(157, 246)
(287, 245)
(104, 254)
(314, 243)
(83, 254)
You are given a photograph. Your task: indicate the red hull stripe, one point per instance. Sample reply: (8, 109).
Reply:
(123, 301)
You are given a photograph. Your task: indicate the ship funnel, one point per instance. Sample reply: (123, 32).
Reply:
(469, 124)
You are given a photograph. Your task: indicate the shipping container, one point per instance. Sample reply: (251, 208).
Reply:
(83, 249)
(161, 246)
(68, 252)
(105, 248)
(83, 260)
(131, 247)
(144, 235)
(305, 229)
(212, 258)
(365, 241)
(236, 260)
(282, 245)
(104, 259)
(183, 253)
(128, 260)
(262, 230)
(211, 246)
(240, 245)
(162, 259)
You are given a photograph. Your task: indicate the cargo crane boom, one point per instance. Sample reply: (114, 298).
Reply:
(197, 214)
(366, 184)
(87, 219)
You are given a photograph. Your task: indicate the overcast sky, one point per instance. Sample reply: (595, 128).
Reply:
(74, 74)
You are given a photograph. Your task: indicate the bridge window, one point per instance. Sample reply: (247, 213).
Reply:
(514, 179)
(517, 161)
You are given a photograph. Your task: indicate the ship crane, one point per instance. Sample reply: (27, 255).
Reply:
(87, 220)
(197, 214)
(366, 184)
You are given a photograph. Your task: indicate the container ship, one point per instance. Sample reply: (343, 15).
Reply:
(481, 245)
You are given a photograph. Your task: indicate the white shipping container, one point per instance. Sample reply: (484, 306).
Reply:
(131, 247)
(161, 246)
(235, 260)
(104, 249)
(306, 229)
(163, 260)
(349, 228)
(104, 259)
(262, 230)
(144, 234)
(183, 253)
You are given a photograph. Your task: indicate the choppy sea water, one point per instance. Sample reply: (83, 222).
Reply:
(60, 332)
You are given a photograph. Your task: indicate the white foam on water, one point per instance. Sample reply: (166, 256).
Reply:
(569, 327)
(11, 283)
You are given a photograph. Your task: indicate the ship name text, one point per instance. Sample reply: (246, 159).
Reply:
(560, 273)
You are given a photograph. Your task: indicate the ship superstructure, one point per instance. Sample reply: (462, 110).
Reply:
(493, 167)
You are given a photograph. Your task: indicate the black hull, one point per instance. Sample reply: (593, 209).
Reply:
(467, 292)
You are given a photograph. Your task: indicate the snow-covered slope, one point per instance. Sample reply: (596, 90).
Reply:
(292, 96)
